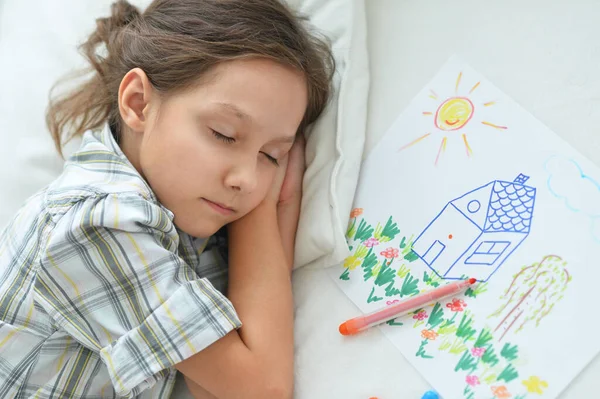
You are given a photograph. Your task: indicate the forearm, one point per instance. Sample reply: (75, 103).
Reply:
(255, 361)
(260, 290)
(197, 391)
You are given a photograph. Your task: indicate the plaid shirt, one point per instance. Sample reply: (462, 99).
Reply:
(100, 294)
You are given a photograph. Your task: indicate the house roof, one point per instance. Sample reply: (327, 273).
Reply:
(510, 207)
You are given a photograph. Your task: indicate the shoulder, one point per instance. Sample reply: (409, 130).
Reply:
(98, 172)
(124, 211)
(107, 224)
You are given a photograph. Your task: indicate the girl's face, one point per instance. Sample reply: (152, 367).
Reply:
(210, 154)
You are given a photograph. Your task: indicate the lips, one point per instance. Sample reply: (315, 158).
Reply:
(219, 207)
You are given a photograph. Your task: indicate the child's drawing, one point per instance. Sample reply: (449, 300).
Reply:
(452, 115)
(475, 233)
(532, 294)
(580, 192)
(478, 217)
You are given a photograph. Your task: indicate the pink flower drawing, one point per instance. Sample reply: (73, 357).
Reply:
(371, 242)
(477, 352)
(472, 380)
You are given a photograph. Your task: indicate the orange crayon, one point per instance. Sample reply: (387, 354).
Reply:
(360, 323)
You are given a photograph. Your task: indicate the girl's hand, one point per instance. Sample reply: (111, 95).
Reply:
(290, 196)
(272, 198)
(285, 197)
(287, 185)
(291, 188)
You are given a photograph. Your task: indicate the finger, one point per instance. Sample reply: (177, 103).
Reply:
(299, 144)
(300, 138)
(297, 152)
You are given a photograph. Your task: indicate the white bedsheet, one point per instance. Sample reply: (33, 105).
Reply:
(546, 56)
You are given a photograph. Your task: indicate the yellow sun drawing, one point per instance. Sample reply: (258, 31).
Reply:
(453, 114)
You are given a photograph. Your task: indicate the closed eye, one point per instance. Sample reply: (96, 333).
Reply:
(222, 137)
(271, 159)
(231, 140)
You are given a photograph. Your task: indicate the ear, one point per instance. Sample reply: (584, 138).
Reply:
(134, 98)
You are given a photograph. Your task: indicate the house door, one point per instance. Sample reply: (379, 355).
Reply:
(434, 251)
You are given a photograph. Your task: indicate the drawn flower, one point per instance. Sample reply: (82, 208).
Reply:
(390, 253)
(371, 242)
(352, 262)
(356, 212)
(477, 352)
(422, 315)
(535, 384)
(457, 305)
(501, 392)
(472, 380)
(429, 334)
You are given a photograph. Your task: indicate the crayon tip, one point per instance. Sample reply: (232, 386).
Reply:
(472, 280)
(344, 329)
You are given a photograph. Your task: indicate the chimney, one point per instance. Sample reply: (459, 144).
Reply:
(521, 179)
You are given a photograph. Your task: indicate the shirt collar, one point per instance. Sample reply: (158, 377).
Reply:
(108, 140)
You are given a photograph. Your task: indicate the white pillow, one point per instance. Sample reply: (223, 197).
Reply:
(335, 145)
(38, 42)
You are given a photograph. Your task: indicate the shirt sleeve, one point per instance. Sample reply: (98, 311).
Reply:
(111, 278)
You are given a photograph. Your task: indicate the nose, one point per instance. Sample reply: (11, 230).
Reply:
(243, 176)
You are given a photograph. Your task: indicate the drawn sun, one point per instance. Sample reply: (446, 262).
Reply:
(452, 115)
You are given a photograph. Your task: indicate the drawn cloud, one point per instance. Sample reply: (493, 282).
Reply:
(579, 192)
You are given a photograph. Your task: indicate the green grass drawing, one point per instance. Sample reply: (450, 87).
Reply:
(489, 357)
(508, 374)
(509, 352)
(373, 298)
(465, 328)
(409, 286)
(421, 351)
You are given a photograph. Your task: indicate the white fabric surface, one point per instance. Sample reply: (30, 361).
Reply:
(335, 145)
(546, 56)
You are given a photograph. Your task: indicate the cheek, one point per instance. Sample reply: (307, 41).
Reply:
(266, 178)
(264, 183)
(177, 163)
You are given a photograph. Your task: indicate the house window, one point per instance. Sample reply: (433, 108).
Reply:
(434, 251)
(487, 253)
(473, 206)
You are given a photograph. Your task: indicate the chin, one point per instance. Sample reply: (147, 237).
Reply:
(198, 230)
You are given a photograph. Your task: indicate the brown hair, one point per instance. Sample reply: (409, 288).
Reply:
(175, 42)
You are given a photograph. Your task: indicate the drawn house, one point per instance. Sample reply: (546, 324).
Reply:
(475, 233)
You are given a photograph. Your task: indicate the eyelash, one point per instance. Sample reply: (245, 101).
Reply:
(230, 140)
(222, 137)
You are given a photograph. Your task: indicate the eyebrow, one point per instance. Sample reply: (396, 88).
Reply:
(235, 110)
(245, 117)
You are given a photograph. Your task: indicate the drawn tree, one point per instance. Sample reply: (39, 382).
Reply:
(532, 294)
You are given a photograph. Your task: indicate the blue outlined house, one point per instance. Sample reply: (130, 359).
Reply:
(475, 233)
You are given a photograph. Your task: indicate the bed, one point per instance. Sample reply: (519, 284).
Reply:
(542, 54)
